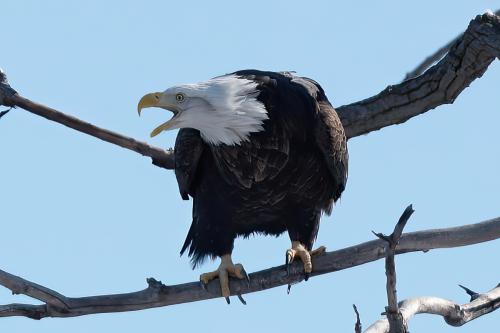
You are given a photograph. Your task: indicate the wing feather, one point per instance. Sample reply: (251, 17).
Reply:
(188, 150)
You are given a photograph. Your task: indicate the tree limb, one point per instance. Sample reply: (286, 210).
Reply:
(454, 314)
(396, 322)
(160, 157)
(430, 60)
(158, 294)
(467, 59)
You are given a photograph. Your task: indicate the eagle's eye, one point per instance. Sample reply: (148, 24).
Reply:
(179, 98)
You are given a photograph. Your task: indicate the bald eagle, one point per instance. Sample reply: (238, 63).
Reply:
(259, 152)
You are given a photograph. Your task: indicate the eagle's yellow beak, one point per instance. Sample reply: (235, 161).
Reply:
(148, 101)
(153, 100)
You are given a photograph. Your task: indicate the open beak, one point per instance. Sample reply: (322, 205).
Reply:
(153, 100)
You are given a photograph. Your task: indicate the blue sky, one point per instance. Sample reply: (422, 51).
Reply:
(85, 217)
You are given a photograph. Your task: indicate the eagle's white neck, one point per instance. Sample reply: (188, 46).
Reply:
(224, 109)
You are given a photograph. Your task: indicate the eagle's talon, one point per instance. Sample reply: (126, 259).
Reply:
(204, 285)
(242, 300)
(246, 276)
(301, 251)
(288, 260)
(225, 270)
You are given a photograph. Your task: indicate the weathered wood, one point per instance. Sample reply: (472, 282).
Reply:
(157, 294)
(396, 322)
(436, 56)
(454, 314)
(467, 60)
(357, 325)
(162, 158)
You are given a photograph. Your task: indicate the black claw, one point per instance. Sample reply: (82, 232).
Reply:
(247, 278)
(287, 263)
(306, 276)
(204, 286)
(288, 289)
(3, 113)
(228, 301)
(241, 299)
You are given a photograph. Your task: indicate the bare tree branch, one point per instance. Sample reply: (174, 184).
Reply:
(158, 294)
(357, 326)
(396, 322)
(454, 314)
(466, 61)
(468, 58)
(160, 157)
(430, 60)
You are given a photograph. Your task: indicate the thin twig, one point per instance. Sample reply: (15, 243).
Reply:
(357, 326)
(157, 294)
(473, 295)
(160, 157)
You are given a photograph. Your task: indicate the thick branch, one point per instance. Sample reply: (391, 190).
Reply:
(467, 60)
(157, 294)
(430, 60)
(454, 314)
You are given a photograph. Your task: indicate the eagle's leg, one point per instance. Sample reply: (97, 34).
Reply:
(225, 270)
(299, 250)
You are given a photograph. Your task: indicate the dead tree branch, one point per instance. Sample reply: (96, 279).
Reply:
(467, 59)
(454, 314)
(430, 60)
(9, 97)
(158, 294)
(396, 322)
(357, 325)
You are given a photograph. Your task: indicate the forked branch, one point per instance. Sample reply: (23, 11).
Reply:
(467, 59)
(454, 314)
(396, 322)
(436, 56)
(158, 294)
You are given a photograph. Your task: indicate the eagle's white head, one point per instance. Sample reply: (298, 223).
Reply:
(224, 109)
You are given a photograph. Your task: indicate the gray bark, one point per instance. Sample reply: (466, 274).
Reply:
(430, 60)
(158, 294)
(394, 316)
(454, 314)
(467, 59)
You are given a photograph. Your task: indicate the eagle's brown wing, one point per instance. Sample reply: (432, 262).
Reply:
(332, 142)
(188, 150)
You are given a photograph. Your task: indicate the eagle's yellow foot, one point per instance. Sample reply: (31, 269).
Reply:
(225, 270)
(305, 256)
